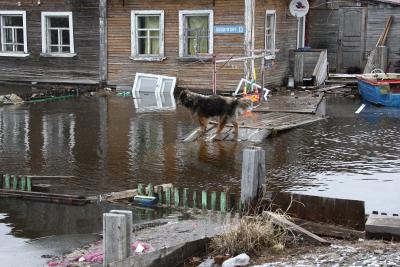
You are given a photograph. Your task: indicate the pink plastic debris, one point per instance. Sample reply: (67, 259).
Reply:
(147, 247)
(96, 256)
(53, 263)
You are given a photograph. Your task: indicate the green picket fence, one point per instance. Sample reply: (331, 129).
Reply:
(15, 182)
(175, 197)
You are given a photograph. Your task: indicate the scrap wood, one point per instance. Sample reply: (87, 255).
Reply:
(330, 230)
(337, 86)
(114, 196)
(281, 221)
(381, 42)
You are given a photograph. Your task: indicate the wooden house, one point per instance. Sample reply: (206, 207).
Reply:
(350, 30)
(179, 38)
(49, 41)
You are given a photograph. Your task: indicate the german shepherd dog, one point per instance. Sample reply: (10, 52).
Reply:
(226, 109)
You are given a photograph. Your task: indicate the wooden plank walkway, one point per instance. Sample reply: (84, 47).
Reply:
(279, 113)
(298, 103)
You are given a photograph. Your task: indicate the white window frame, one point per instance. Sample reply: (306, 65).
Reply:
(9, 53)
(301, 32)
(182, 14)
(47, 53)
(272, 53)
(134, 36)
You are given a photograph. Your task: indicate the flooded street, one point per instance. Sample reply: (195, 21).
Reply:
(109, 146)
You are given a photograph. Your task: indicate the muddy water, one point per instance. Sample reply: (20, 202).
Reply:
(109, 146)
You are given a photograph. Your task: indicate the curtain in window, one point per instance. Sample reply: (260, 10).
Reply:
(196, 34)
(149, 35)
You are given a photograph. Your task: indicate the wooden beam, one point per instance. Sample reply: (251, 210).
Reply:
(285, 223)
(103, 41)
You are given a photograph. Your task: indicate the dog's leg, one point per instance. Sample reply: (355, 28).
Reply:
(221, 124)
(236, 127)
(203, 124)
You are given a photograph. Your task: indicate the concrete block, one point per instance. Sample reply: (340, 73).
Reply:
(380, 226)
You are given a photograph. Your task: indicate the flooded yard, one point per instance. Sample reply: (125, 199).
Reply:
(109, 146)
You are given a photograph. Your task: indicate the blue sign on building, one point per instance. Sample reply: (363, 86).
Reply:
(228, 29)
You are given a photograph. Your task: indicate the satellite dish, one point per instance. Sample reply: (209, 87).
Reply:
(299, 8)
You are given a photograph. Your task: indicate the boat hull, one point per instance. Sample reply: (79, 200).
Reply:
(380, 92)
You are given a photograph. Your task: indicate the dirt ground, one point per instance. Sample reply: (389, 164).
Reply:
(339, 253)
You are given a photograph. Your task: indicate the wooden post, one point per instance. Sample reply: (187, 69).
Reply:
(129, 219)
(253, 176)
(140, 189)
(298, 69)
(15, 182)
(204, 200)
(22, 183)
(7, 184)
(114, 234)
(103, 41)
(28, 184)
(381, 58)
(194, 199)
(150, 190)
(186, 197)
(213, 200)
(168, 196)
(160, 195)
(176, 197)
(1, 181)
(223, 202)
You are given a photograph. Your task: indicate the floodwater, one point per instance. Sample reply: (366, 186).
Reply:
(109, 145)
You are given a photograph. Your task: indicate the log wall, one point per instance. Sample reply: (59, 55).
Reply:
(83, 68)
(196, 75)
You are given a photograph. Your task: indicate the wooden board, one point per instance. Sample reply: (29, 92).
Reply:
(255, 130)
(297, 103)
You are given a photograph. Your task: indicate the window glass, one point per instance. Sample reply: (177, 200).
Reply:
(13, 21)
(196, 32)
(58, 34)
(59, 22)
(148, 34)
(270, 31)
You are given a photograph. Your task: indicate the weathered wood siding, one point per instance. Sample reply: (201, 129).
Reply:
(323, 29)
(377, 17)
(83, 68)
(277, 70)
(324, 32)
(195, 75)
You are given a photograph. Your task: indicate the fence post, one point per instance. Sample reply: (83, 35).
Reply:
(253, 175)
(114, 234)
(129, 219)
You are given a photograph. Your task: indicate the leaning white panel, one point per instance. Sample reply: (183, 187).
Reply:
(153, 92)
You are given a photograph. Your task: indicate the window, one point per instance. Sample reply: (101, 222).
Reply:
(13, 33)
(195, 32)
(301, 31)
(270, 28)
(57, 34)
(147, 35)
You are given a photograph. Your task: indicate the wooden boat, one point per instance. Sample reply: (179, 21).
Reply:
(146, 201)
(380, 88)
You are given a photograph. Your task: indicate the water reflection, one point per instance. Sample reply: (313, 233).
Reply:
(150, 102)
(110, 145)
